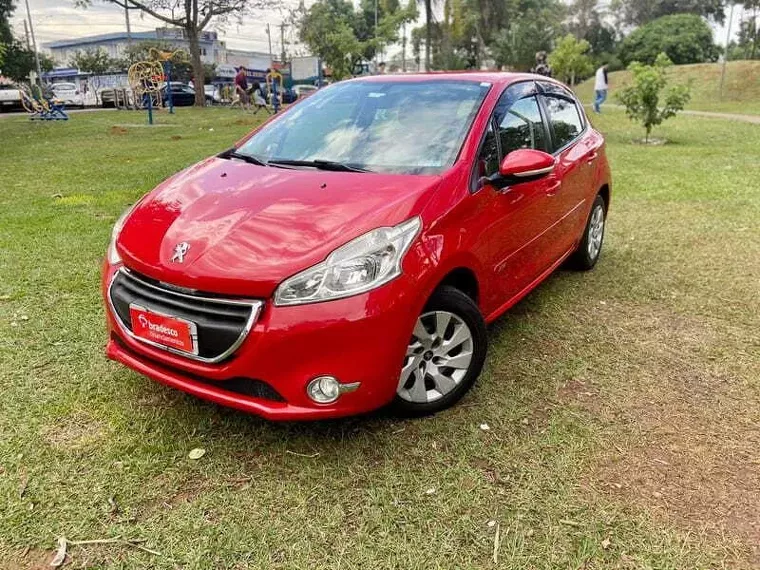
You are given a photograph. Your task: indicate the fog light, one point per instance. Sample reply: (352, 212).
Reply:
(324, 390)
(327, 389)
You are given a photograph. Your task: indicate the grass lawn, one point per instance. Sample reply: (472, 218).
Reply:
(741, 87)
(623, 404)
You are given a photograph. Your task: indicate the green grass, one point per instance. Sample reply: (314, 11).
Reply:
(623, 404)
(741, 88)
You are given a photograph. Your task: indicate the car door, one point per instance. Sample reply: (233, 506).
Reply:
(574, 166)
(516, 216)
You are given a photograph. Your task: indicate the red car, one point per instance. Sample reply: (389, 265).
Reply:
(349, 253)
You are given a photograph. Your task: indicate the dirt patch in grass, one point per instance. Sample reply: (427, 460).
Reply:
(74, 432)
(116, 130)
(682, 424)
(28, 559)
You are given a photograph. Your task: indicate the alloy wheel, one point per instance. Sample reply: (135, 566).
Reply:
(596, 232)
(437, 358)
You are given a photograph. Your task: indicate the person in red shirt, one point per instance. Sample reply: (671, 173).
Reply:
(241, 87)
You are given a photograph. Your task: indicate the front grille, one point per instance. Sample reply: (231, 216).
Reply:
(222, 323)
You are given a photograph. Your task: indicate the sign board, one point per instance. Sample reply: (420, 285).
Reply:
(304, 68)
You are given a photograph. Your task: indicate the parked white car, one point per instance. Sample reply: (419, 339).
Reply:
(304, 90)
(10, 97)
(68, 93)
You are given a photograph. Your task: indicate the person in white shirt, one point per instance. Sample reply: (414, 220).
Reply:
(600, 88)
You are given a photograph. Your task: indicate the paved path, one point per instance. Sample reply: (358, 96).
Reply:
(710, 114)
(727, 116)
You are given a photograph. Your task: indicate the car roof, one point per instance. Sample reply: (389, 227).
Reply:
(500, 78)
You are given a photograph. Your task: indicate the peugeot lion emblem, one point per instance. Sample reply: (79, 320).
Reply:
(179, 252)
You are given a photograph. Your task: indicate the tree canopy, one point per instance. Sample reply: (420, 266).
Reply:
(684, 38)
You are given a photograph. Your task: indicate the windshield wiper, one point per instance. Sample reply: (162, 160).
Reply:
(233, 153)
(320, 165)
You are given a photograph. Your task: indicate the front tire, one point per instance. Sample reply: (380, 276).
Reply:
(590, 247)
(445, 355)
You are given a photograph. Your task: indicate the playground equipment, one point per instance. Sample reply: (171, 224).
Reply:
(275, 88)
(41, 108)
(146, 78)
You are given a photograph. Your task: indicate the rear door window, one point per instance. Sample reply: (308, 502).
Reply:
(564, 118)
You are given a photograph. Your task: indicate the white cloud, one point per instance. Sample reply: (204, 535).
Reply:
(59, 19)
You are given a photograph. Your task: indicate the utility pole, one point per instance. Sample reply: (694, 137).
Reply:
(269, 36)
(26, 33)
(282, 43)
(403, 48)
(34, 44)
(129, 29)
(725, 55)
(377, 48)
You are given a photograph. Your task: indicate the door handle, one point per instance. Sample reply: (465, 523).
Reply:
(592, 157)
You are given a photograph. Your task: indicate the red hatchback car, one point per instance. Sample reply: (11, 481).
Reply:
(348, 254)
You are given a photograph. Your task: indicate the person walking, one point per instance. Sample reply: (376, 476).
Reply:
(241, 88)
(257, 96)
(601, 85)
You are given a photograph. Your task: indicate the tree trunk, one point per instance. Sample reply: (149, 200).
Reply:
(197, 65)
(428, 31)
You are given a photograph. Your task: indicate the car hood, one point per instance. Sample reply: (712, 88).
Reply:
(249, 227)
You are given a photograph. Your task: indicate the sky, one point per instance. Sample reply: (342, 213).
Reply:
(59, 19)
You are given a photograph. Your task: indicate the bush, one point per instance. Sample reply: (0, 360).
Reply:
(570, 61)
(641, 98)
(684, 38)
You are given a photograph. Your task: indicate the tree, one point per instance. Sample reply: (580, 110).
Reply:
(639, 12)
(192, 16)
(570, 59)
(327, 28)
(684, 38)
(343, 36)
(641, 98)
(19, 61)
(748, 44)
(6, 10)
(95, 61)
(529, 27)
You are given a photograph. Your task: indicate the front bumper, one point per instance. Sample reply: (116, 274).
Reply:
(358, 339)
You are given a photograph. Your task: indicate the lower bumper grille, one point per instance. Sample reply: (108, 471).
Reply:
(250, 387)
(222, 323)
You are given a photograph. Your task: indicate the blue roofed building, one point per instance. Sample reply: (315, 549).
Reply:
(212, 49)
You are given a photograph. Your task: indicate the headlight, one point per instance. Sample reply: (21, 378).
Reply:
(113, 255)
(362, 264)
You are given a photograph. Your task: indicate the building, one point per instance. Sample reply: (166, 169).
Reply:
(212, 49)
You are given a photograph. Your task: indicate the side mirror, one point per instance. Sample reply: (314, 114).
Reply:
(522, 165)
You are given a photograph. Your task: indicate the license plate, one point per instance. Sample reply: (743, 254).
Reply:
(164, 330)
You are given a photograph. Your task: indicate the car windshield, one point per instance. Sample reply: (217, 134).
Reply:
(64, 86)
(404, 127)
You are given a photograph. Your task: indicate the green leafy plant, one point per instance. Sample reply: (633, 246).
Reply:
(570, 59)
(684, 38)
(641, 98)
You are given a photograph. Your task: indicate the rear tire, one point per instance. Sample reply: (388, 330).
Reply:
(444, 357)
(590, 248)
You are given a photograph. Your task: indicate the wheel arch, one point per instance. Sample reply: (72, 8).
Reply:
(604, 192)
(464, 279)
